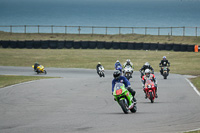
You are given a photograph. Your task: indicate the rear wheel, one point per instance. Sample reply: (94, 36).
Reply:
(151, 97)
(123, 106)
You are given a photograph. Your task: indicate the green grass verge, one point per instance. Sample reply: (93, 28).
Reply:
(7, 80)
(99, 37)
(196, 82)
(193, 131)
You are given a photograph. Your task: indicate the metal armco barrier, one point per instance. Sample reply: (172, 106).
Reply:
(55, 44)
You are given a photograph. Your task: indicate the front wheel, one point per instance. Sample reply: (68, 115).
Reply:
(151, 97)
(123, 106)
(103, 75)
(134, 109)
(165, 75)
(45, 72)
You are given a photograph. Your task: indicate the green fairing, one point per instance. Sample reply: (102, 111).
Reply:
(125, 93)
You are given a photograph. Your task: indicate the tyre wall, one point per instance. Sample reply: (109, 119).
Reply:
(55, 44)
(84, 44)
(92, 44)
(108, 45)
(61, 44)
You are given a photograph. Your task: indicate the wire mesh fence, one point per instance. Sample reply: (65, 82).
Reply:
(53, 29)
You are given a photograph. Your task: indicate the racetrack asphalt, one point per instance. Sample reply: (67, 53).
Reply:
(80, 101)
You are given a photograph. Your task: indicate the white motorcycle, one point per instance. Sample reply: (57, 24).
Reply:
(127, 72)
(101, 71)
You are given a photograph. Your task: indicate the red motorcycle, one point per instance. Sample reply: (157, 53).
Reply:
(150, 90)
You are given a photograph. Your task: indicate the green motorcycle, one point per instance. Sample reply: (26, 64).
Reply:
(124, 98)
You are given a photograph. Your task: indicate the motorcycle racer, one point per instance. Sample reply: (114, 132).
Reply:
(35, 66)
(128, 63)
(117, 64)
(97, 67)
(121, 79)
(164, 62)
(144, 67)
(150, 76)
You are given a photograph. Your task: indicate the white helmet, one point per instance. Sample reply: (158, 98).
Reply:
(117, 61)
(147, 64)
(147, 72)
(128, 61)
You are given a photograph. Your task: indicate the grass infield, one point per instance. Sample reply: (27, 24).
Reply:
(7, 80)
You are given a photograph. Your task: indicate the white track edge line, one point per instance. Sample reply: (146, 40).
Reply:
(194, 88)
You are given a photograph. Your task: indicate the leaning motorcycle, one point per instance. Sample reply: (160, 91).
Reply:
(124, 98)
(40, 69)
(101, 71)
(165, 72)
(128, 71)
(150, 90)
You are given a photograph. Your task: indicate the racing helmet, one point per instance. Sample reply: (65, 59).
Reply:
(164, 57)
(116, 74)
(128, 61)
(147, 72)
(117, 61)
(99, 62)
(147, 64)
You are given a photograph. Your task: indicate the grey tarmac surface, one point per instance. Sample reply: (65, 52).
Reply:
(80, 101)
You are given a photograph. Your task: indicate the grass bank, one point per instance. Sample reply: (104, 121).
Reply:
(196, 82)
(7, 80)
(181, 62)
(89, 37)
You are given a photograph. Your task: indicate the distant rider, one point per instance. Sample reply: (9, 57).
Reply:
(150, 76)
(121, 79)
(164, 63)
(146, 66)
(117, 64)
(35, 66)
(128, 63)
(97, 67)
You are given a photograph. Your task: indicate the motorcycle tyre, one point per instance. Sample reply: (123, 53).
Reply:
(45, 72)
(123, 106)
(134, 109)
(164, 75)
(151, 97)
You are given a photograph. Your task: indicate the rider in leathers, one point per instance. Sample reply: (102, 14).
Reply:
(117, 64)
(35, 66)
(127, 63)
(148, 75)
(146, 66)
(164, 62)
(121, 79)
(97, 67)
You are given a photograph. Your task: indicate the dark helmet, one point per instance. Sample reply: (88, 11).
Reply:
(116, 74)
